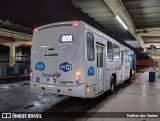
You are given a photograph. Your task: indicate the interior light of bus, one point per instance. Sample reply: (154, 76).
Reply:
(88, 88)
(35, 30)
(75, 23)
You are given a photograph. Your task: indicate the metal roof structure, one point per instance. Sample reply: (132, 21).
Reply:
(6, 24)
(145, 15)
(142, 18)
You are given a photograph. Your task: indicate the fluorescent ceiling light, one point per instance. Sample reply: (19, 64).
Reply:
(119, 19)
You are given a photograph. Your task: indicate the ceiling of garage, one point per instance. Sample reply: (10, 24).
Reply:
(145, 14)
(99, 10)
(23, 16)
(144, 17)
(6, 24)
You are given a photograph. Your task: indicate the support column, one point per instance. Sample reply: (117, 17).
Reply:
(12, 50)
(12, 54)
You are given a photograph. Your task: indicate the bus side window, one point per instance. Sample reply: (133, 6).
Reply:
(109, 52)
(101, 58)
(90, 46)
(116, 53)
(122, 57)
(127, 56)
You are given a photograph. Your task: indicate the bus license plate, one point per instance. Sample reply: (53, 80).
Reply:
(50, 80)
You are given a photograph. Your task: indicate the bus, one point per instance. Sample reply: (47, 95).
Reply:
(72, 58)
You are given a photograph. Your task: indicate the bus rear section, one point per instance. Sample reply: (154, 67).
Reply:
(54, 60)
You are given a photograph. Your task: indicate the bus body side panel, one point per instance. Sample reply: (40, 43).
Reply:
(118, 70)
(117, 63)
(108, 72)
(126, 64)
(96, 72)
(101, 44)
(122, 64)
(81, 62)
(90, 69)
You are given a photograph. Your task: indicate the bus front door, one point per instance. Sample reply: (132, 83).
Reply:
(99, 51)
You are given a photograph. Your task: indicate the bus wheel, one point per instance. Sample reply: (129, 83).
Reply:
(112, 85)
(130, 76)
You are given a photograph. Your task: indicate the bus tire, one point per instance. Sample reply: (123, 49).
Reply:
(130, 76)
(112, 85)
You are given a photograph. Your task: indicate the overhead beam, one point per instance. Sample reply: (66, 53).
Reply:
(12, 46)
(16, 43)
(28, 43)
(147, 45)
(6, 39)
(16, 35)
(149, 34)
(148, 31)
(118, 8)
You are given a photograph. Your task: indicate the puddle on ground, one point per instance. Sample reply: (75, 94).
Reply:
(2, 88)
(24, 84)
(139, 94)
(29, 106)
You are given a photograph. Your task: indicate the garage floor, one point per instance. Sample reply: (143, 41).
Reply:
(135, 98)
(140, 96)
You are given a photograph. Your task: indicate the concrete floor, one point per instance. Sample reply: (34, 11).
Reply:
(140, 96)
(18, 97)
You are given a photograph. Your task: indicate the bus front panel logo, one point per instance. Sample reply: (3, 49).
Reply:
(65, 67)
(40, 66)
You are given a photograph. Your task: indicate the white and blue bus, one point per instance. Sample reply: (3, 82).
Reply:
(75, 59)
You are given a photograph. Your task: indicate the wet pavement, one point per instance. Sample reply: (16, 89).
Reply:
(18, 97)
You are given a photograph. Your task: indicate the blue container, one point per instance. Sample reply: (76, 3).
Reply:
(152, 76)
(16, 69)
(21, 70)
(10, 71)
(4, 70)
(28, 68)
